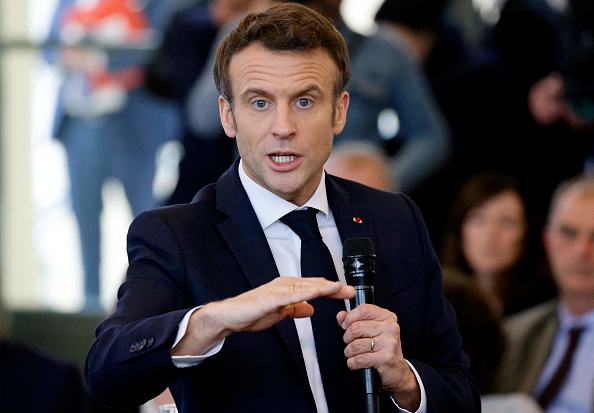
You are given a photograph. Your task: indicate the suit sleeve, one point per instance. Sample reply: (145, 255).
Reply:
(130, 360)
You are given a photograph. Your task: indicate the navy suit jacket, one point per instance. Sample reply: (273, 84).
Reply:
(213, 248)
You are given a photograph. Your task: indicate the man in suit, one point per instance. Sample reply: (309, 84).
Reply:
(214, 305)
(538, 337)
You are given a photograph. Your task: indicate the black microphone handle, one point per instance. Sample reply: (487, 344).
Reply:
(368, 377)
(359, 269)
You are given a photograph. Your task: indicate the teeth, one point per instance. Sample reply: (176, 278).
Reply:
(282, 158)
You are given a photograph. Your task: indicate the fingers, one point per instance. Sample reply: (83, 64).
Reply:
(298, 310)
(372, 335)
(363, 345)
(270, 303)
(366, 312)
(295, 289)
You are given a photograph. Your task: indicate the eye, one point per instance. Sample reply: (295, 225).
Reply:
(510, 222)
(259, 104)
(303, 102)
(568, 233)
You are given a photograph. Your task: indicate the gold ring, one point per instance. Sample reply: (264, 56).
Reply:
(372, 344)
(291, 288)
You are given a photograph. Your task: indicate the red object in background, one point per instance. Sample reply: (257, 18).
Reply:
(125, 17)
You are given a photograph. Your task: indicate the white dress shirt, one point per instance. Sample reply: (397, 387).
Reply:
(285, 246)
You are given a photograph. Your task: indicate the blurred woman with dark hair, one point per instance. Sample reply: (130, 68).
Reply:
(493, 237)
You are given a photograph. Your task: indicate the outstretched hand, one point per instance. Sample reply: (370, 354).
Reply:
(256, 310)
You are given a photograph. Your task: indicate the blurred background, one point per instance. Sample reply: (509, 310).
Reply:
(40, 262)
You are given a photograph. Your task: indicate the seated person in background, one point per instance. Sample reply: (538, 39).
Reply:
(483, 340)
(363, 162)
(550, 353)
(491, 236)
(32, 381)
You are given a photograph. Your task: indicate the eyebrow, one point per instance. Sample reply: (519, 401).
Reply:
(254, 92)
(262, 92)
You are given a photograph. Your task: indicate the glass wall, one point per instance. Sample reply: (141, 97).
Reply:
(40, 254)
(19, 265)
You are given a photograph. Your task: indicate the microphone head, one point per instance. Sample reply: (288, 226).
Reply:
(358, 258)
(358, 246)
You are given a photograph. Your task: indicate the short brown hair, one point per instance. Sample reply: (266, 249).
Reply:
(283, 27)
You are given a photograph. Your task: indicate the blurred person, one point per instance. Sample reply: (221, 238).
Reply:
(483, 340)
(363, 162)
(392, 104)
(549, 353)
(480, 326)
(282, 76)
(183, 51)
(487, 91)
(544, 78)
(184, 56)
(34, 381)
(111, 126)
(453, 71)
(492, 237)
(331, 9)
(547, 63)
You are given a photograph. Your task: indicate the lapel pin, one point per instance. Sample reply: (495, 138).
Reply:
(357, 220)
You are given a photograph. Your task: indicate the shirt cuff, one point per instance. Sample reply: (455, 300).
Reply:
(423, 406)
(189, 361)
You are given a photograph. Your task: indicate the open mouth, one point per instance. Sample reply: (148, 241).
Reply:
(282, 158)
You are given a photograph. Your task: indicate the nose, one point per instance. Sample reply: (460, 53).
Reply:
(284, 122)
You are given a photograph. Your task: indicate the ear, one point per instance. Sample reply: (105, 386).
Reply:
(226, 114)
(340, 113)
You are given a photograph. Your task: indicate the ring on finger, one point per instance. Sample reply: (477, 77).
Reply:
(372, 344)
(291, 288)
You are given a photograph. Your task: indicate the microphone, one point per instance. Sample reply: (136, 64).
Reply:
(358, 258)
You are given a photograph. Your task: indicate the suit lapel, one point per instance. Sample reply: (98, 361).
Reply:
(244, 236)
(540, 352)
(352, 219)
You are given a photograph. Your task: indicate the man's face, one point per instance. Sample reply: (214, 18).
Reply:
(284, 117)
(569, 241)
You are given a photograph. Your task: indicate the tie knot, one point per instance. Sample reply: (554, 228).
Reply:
(303, 222)
(574, 335)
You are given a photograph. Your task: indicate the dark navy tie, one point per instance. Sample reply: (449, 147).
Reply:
(316, 261)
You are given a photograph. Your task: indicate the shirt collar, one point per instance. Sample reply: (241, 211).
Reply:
(269, 207)
(568, 320)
